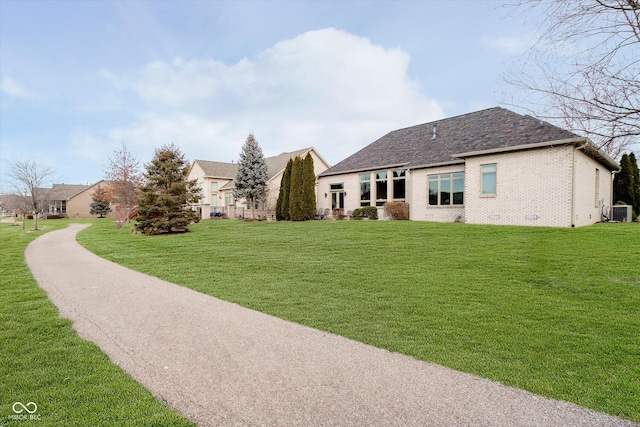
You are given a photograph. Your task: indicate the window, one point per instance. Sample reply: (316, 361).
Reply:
(365, 189)
(228, 199)
(381, 188)
(399, 184)
(446, 189)
(214, 194)
(488, 179)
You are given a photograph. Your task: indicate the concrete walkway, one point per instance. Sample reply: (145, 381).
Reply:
(221, 364)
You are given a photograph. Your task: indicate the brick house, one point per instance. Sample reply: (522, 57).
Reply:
(492, 166)
(72, 200)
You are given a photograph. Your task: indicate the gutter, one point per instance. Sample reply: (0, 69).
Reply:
(367, 169)
(524, 147)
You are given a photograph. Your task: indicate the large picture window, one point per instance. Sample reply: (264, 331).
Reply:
(446, 189)
(399, 192)
(488, 179)
(365, 189)
(381, 188)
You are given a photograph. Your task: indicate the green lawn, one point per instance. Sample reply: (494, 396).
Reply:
(42, 360)
(553, 311)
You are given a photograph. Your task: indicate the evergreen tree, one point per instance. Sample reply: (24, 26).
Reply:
(295, 192)
(282, 205)
(308, 189)
(100, 204)
(251, 177)
(623, 183)
(164, 199)
(636, 181)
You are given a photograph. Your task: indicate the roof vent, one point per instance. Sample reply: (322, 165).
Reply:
(433, 136)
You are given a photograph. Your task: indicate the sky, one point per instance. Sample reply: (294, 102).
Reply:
(78, 79)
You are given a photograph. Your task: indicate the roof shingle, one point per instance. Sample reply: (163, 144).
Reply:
(488, 129)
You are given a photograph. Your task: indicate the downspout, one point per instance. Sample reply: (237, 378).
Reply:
(573, 183)
(613, 177)
(408, 185)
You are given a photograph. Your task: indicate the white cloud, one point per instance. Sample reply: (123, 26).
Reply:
(11, 87)
(326, 88)
(509, 45)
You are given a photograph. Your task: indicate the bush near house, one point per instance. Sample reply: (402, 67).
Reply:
(367, 212)
(396, 210)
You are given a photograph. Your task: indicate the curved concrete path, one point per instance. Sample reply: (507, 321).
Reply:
(221, 364)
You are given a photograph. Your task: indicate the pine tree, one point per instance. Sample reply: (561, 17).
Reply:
(100, 204)
(164, 199)
(623, 183)
(282, 205)
(635, 172)
(251, 177)
(308, 189)
(295, 193)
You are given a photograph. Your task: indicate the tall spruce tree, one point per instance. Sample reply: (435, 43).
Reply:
(282, 205)
(164, 199)
(295, 192)
(308, 189)
(635, 171)
(624, 187)
(251, 177)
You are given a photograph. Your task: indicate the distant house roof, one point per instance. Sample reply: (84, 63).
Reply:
(218, 169)
(65, 191)
(491, 129)
(275, 165)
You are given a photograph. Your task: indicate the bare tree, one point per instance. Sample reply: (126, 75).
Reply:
(124, 178)
(586, 65)
(29, 179)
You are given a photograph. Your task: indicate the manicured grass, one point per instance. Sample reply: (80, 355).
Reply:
(42, 360)
(553, 311)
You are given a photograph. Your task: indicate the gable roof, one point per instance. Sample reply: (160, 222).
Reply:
(493, 128)
(66, 191)
(278, 163)
(275, 165)
(217, 169)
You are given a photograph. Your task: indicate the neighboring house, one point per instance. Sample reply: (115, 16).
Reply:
(79, 204)
(59, 197)
(217, 181)
(488, 167)
(72, 201)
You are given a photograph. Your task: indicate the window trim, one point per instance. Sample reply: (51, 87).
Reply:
(451, 179)
(494, 172)
(402, 176)
(367, 180)
(379, 201)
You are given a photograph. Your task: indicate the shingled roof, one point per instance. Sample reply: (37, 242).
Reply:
(275, 165)
(493, 128)
(65, 191)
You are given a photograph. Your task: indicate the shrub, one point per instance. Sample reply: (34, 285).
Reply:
(368, 212)
(396, 210)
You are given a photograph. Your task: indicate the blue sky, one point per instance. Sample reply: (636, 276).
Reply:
(79, 78)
